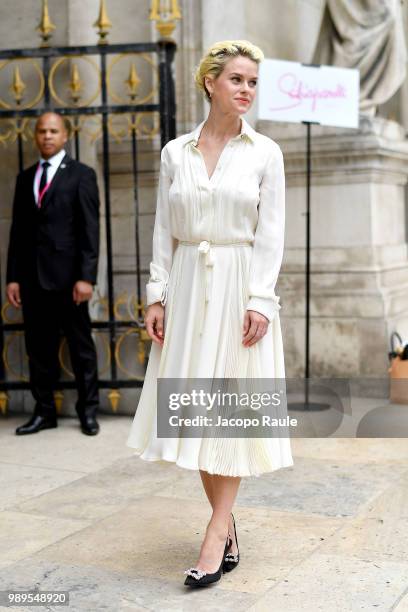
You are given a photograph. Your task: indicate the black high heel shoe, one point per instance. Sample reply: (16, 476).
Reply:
(200, 578)
(230, 560)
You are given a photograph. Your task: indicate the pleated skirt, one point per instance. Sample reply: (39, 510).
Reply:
(204, 315)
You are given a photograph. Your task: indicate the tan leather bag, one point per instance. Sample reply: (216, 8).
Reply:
(398, 372)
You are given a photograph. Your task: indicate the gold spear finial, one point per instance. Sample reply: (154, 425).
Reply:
(154, 11)
(75, 84)
(175, 9)
(58, 399)
(114, 397)
(133, 81)
(164, 16)
(103, 24)
(3, 402)
(45, 27)
(18, 85)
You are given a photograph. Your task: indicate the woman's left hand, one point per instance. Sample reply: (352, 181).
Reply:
(255, 327)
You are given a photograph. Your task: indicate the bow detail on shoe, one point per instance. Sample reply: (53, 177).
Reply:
(195, 573)
(231, 557)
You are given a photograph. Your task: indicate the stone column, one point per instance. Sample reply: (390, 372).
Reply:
(359, 265)
(284, 30)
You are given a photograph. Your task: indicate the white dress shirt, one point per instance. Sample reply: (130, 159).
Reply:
(243, 201)
(55, 162)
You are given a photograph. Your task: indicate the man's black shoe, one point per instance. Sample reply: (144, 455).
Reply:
(36, 423)
(89, 425)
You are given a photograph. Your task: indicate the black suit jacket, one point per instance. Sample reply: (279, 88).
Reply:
(58, 243)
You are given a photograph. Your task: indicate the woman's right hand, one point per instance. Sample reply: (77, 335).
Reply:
(154, 321)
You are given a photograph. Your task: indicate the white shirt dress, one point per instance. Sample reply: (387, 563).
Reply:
(217, 251)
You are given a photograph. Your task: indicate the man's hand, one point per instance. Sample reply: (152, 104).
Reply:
(13, 294)
(82, 292)
(154, 321)
(255, 327)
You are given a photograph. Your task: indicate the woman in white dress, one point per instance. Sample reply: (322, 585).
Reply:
(212, 309)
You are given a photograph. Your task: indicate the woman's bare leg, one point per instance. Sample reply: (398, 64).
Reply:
(207, 480)
(223, 491)
(207, 484)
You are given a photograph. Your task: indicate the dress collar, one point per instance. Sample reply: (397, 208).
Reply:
(246, 132)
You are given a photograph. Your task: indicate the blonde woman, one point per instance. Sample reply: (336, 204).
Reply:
(212, 309)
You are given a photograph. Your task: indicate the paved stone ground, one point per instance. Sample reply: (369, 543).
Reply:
(83, 514)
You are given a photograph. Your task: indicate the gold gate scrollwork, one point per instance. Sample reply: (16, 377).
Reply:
(17, 92)
(132, 82)
(75, 83)
(10, 339)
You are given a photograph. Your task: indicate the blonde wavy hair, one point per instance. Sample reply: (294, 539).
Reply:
(216, 57)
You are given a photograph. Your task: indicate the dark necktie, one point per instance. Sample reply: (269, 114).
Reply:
(43, 181)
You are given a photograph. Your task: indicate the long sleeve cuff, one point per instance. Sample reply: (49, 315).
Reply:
(266, 306)
(157, 287)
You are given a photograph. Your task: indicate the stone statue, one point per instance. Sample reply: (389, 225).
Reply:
(367, 35)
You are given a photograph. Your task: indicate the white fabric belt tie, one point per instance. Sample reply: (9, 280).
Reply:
(207, 260)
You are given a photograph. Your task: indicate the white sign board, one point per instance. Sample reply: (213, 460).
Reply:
(290, 91)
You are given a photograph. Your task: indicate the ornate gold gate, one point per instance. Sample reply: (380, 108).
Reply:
(107, 93)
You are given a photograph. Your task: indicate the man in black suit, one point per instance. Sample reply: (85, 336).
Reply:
(51, 270)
